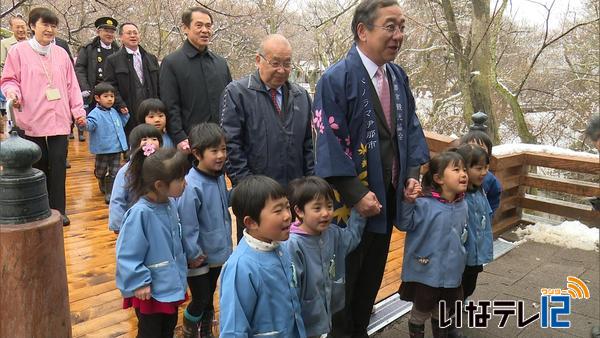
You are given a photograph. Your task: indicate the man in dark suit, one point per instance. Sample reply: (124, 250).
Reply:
(133, 72)
(192, 78)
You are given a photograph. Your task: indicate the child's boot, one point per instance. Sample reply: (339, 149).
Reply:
(437, 331)
(206, 324)
(416, 330)
(190, 328)
(101, 184)
(80, 134)
(108, 186)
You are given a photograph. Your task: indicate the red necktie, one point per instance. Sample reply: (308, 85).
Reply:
(384, 99)
(273, 93)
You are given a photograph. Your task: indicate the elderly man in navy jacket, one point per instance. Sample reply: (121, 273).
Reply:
(267, 120)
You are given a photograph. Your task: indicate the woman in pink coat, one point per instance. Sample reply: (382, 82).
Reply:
(39, 77)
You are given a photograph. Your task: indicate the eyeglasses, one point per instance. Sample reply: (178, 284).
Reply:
(391, 28)
(277, 64)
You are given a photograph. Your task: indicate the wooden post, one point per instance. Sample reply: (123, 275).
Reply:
(34, 298)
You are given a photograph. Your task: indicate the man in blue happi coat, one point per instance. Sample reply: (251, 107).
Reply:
(369, 146)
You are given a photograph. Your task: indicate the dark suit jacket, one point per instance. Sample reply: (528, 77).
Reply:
(120, 73)
(65, 45)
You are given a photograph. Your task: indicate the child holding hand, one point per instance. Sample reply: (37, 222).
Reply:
(434, 255)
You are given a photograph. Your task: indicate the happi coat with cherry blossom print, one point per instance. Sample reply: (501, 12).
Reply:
(347, 141)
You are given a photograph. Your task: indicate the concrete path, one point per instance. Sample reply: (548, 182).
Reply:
(519, 275)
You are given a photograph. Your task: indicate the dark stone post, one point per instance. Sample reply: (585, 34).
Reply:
(479, 120)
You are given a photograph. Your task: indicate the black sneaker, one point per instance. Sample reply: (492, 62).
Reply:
(65, 220)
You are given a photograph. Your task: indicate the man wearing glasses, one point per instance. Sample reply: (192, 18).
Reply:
(370, 147)
(192, 78)
(267, 120)
(133, 71)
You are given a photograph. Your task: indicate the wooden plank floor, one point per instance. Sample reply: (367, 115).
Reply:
(90, 256)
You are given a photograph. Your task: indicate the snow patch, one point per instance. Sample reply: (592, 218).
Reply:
(569, 234)
(518, 148)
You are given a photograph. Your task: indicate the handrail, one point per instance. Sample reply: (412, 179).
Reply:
(513, 172)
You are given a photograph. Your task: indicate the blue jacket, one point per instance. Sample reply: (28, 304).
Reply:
(119, 200)
(258, 141)
(434, 253)
(493, 189)
(480, 243)
(205, 219)
(321, 286)
(149, 252)
(107, 135)
(258, 295)
(167, 141)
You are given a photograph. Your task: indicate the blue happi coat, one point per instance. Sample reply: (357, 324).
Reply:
(347, 142)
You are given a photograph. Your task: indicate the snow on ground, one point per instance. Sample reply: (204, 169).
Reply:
(508, 149)
(569, 234)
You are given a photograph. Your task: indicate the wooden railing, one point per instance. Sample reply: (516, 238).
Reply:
(514, 174)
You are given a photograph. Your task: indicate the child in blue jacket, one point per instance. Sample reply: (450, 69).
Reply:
(120, 199)
(154, 112)
(317, 247)
(479, 245)
(107, 137)
(491, 185)
(258, 294)
(206, 225)
(434, 253)
(151, 265)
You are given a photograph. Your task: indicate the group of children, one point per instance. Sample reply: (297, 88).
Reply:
(107, 134)
(286, 276)
(448, 232)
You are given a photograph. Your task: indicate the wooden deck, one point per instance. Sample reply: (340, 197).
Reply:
(90, 257)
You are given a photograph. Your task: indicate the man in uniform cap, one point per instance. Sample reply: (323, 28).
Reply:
(91, 60)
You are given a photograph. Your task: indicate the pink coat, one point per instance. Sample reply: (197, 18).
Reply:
(24, 75)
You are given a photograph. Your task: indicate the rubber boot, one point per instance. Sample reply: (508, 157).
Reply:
(206, 325)
(101, 184)
(108, 186)
(416, 331)
(80, 134)
(190, 328)
(437, 331)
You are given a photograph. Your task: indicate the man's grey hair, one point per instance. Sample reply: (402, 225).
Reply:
(366, 13)
(13, 18)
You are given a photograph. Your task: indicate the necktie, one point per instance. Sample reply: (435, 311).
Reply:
(384, 95)
(137, 65)
(384, 99)
(273, 93)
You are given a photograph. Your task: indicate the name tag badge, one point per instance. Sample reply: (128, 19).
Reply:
(52, 94)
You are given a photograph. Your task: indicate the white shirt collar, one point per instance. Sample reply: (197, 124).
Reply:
(259, 245)
(43, 50)
(131, 51)
(369, 65)
(105, 46)
(278, 89)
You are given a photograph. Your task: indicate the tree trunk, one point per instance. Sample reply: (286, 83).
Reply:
(481, 65)
(517, 112)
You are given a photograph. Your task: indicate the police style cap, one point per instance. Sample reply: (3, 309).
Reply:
(106, 22)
